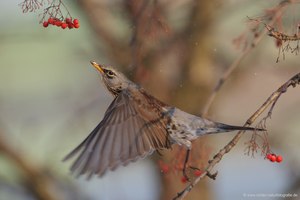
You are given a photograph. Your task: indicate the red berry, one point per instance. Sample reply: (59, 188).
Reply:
(76, 21)
(58, 23)
(50, 20)
(269, 156)
(70, 25)
(54, 20)
(45, 24)
(164, 168)
(197, 173)
(64, 25)
(273, 158)
(183, 179)
(278, 158)
(76, 25)
(68, 20)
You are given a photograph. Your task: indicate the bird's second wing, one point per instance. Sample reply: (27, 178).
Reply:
(126, 133)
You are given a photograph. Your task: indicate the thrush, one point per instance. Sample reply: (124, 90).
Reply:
(134, 126)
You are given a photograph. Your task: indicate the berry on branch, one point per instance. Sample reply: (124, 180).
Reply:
(45, 24)
(68, 20)
(71, 25)
(64, 25)
(76, 21)
(164, 167)
(55, 13)
(273, 158)
(76, 25)
(183, 179)
(51, 21)
(269, 156)
(58, 23)
(279, 158)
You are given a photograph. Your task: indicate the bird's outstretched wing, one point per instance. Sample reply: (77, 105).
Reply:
(128, 131)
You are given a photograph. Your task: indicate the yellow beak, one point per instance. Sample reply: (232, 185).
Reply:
(97, 66)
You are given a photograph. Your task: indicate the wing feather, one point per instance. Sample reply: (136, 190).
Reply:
(127, 132)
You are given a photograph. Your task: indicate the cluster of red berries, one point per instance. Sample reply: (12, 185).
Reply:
(67, 23)
(274, 158)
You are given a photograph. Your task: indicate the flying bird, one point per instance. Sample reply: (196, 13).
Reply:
(134, 126)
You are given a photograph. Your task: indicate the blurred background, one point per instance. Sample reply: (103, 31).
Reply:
(51, 97)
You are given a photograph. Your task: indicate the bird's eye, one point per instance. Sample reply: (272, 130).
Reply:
(110, 74)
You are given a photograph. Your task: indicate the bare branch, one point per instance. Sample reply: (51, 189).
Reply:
(31, 5)
(294, 81)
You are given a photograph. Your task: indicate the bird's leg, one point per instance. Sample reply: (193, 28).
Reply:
(185, 163)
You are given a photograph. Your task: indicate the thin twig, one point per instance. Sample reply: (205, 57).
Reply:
(238, 60)
(295, 80)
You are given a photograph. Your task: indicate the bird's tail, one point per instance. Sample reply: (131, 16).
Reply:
(226, 127)
(220, 127)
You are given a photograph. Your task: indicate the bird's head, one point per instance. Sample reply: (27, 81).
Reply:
(114, 80)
